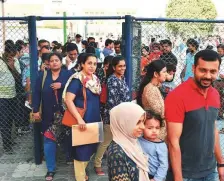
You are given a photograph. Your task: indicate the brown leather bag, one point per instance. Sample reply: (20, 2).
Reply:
(69, 119)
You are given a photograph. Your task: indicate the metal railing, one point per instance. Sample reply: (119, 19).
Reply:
(136, 31)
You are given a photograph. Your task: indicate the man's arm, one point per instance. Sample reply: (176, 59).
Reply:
(174, 131)
(218, 154)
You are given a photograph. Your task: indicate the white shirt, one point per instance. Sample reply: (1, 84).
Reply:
(71, 64)
(221, 70)
(7, 82)
(79, 45)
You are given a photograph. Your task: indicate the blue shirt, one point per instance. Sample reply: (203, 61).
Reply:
(157, 153)
(166, 88)
(189, 64)
(107, 51)
(92, 114)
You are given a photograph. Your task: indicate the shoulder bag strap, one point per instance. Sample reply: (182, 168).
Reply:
(85, 98)
(42, 86)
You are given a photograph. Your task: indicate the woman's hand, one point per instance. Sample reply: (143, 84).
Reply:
(56, 85)
(82, 125)
(36, 116)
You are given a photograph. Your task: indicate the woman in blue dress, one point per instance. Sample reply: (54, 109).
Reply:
(54, 84)
(74, 97)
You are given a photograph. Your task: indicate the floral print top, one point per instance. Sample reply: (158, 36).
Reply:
(101, 75)
(117, 92)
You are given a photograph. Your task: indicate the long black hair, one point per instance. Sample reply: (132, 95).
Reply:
(155, 66)
(108, 60)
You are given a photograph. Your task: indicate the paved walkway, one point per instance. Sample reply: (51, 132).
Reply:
(32, 172)
(20, 165)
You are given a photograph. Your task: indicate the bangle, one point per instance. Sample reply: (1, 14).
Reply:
(220, 165)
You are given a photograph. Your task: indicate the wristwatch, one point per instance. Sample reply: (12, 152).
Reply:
(220, 165)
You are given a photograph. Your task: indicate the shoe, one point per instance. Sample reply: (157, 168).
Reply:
(49, 176)
(99, 171)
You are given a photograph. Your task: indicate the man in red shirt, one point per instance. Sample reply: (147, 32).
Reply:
(190, 111)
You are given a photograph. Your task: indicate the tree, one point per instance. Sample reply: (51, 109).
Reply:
(190, 9)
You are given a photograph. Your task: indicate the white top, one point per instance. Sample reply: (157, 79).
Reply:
(79, 45)
(71, 64)
(221, 70)
(7, 82)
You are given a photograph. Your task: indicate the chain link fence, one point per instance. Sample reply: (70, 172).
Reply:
(174, 43)
(151, 40)
(16, 142)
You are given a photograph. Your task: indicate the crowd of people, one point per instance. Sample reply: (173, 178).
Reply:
(165, 119)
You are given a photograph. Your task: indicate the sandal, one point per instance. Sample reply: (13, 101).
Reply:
(99, 171)
(49, 176)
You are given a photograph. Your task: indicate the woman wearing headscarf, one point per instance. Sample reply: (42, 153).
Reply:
(126, 160)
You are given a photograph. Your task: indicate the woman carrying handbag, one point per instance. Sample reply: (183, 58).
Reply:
(49, 96)
(84, 82)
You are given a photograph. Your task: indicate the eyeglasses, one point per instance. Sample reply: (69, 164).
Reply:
(46, 47)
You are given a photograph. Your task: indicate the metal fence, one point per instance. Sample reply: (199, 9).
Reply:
(16, 142)
(207, 34)
(149, 35)
(21, 141)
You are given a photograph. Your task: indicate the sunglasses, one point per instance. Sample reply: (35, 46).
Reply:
(46, 47)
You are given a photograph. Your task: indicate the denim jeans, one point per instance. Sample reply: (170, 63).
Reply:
(211, 177)
(50, 154)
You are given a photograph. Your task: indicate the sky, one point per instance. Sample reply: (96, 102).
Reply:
(146, 8)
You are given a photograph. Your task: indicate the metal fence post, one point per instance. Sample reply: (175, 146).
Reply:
(65, 28)
(34, 74)
(128, 49)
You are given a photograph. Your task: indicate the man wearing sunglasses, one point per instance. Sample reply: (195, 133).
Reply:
(43, 47)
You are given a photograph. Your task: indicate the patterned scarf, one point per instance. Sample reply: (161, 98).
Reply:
(92, 84)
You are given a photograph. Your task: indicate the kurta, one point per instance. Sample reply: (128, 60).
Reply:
(49, 103)
(92, 114)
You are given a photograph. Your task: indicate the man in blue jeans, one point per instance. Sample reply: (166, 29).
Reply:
(191, 110)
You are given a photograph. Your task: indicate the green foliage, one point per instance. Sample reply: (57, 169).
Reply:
(191, 9)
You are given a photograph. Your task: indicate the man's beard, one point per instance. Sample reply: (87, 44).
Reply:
(199, 83)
